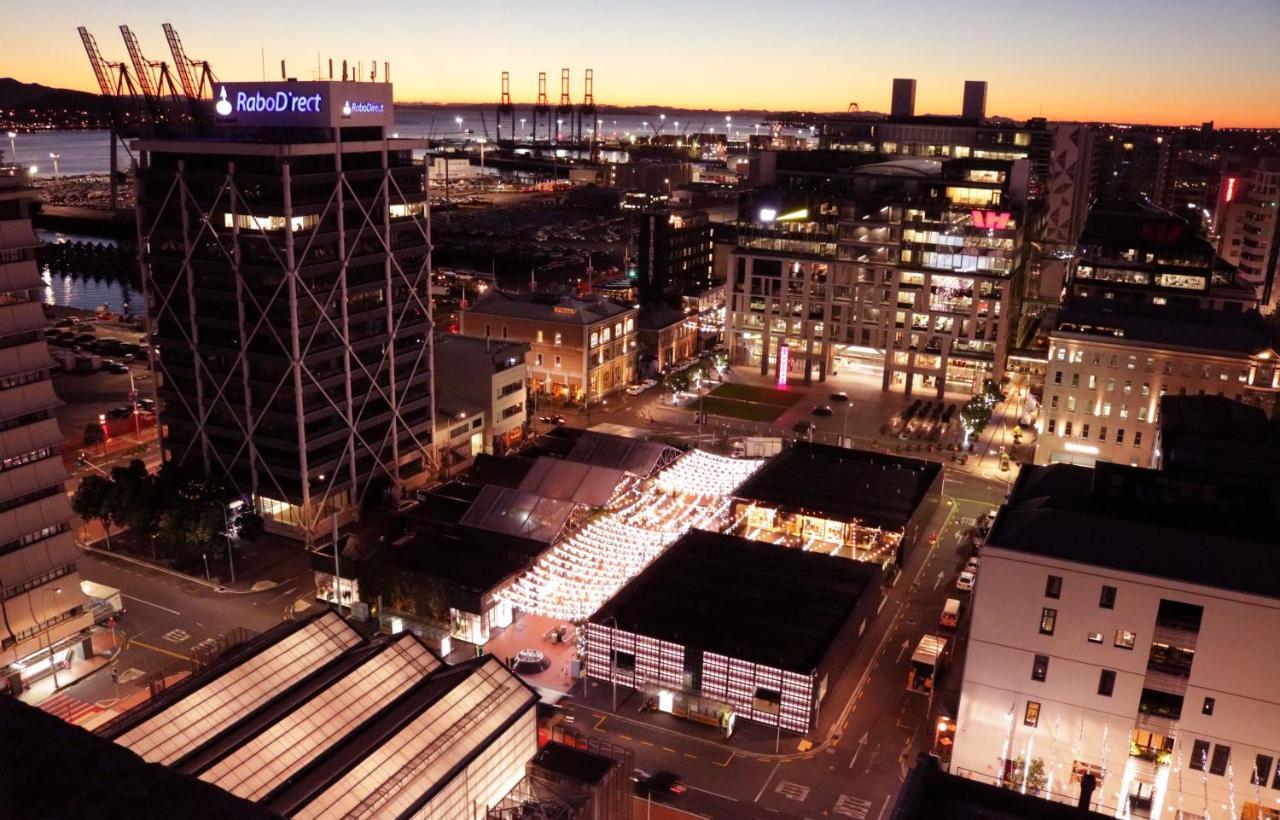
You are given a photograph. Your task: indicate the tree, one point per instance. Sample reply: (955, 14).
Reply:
(1035, 775)
(251, 525)
(94, 434)
(133, 498)
(92, 501)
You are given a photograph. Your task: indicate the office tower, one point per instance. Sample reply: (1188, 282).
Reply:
(286, 263)
(904, 99)
(44, 608)
(975, 100)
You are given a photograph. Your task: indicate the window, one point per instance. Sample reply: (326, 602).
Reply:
(557, 361)
(488, 330)
(1133, 362)
(1199, 755)
(1084, 431)
(1032, 716)
(1075, 379)
(1127, 389)
(1053, 402)
(1071, 404)
(539, 337)
(1106, 682)
(625, 661)
(1261, 769)
(1207, 708)
(559, 338)
(1221, 756)
(1095, 637)
(1048, 618)
(1093, 382)
(537, 360)
(1053, 423)
(1146, 389)
(1108, 598)
(1067, 431)
(1137, 439)
(1053, 586)
(1102, 433)
(1040, 667)
(1124, 411)
(767, 700)
(1115, 359)
(504, 331)
(1106, 408)
(1111, 385)
(1125, 638)
(1120, 436)
(1057, 377)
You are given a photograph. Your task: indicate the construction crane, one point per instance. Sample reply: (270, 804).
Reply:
(116, 84)
(195, 75)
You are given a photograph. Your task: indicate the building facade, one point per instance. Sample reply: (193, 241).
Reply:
(1259, 230)
(1102, 643)
(908, 275)
(668, 336)
(45, 617)
(286, 265)
(490, 374)
(580, 350)
(1110, 365)
(673, 253)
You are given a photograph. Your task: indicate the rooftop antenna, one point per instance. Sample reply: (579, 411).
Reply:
(264, 65)
(386, 71)
(283, 75)
(330, 68)
(344, 71)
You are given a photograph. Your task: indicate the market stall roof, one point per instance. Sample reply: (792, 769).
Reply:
(781, 607)
(634, 456)
(572, 481)
(880, 490)
(522, 514)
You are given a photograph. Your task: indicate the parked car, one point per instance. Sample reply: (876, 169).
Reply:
(823, 411)
(985, 522)
(112, 366)
(551, 419)
(147, 405)
(649, 383)
(950, 617)
(803, 427)
(965, 582)
(972, 564)
(123, 412)
(634, 389)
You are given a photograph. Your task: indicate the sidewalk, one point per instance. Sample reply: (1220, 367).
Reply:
(104, 648)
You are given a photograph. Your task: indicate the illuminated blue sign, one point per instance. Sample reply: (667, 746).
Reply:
(303, 104)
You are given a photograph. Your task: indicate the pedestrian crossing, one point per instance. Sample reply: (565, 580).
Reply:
(71, 709)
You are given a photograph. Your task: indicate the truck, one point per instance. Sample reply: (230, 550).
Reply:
(88, 361)
(927, 663)
(757, 447)
(104, 601)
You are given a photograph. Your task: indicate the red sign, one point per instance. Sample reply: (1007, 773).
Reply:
(991, 219)
(1231, 189)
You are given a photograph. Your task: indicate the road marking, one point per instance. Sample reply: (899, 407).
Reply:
(862, 743)
(760, 794)
(668, 749)
(792, 791)
(647, 743)
(713, 794)
(177, 636)
(906, 644)
(600, 722)
(132, 673)
(148, 603)
(160, 650)
(624, 737)
(850, 806)
(691, 757)
(727, 761)
(883, 806)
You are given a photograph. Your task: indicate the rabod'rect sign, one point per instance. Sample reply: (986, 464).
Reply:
(303, 104)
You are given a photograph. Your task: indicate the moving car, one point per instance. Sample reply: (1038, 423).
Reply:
(965, 582)
(985, 522)
(804, 427)
(950, 616)
(658, 784)
(634, 389)
(123, 412)
(822, 410)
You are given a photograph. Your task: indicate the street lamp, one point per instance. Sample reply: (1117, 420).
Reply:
(13, 147)
(522, 125)
(48, 639)
(226, 532)
(728, 121)
(55, 157)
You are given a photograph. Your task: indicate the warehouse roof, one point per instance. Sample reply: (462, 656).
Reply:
(1201, 329)
(877, 489)
(548, 307)
(787, 606)
(518, 513)
(312, 719)
(635, 456)
(572, 481)
(1200, 530)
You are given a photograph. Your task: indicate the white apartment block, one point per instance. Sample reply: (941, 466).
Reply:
(1112, 634)
(43, 606)
(1109, 364)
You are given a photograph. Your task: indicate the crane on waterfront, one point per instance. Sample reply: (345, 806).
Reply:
(195, 75)
(116, 85)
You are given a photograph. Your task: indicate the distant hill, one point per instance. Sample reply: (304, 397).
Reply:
(15, 94)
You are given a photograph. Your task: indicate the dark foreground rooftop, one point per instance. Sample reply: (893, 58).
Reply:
(1220, 533)
(743, 599)
(932, 794)
(879, 490)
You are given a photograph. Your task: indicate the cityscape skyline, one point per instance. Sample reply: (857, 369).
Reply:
(1187, 77)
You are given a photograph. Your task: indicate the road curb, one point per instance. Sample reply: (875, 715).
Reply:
(193, 579)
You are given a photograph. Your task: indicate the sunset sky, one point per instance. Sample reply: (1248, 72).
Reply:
(1152, 61)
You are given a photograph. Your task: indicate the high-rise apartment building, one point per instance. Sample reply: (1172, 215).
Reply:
(674, 254)
(1121, 628)
(905, 270)
(1260, 232)
(43, 606)
(286, 261)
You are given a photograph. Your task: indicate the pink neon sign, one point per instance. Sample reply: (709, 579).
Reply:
(991, 219)
(784, 359)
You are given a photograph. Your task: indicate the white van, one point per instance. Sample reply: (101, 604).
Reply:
(950, 617)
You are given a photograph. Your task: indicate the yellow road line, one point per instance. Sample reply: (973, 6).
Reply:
(668, 749)
(727, 761)
(624, 737)
(691, 757)
(161, 650)
(647, 743)
(600, 723)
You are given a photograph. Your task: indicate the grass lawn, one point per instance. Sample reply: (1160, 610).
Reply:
(757, 395)
(749, 411)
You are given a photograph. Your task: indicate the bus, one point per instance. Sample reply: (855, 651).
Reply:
(927, 663)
